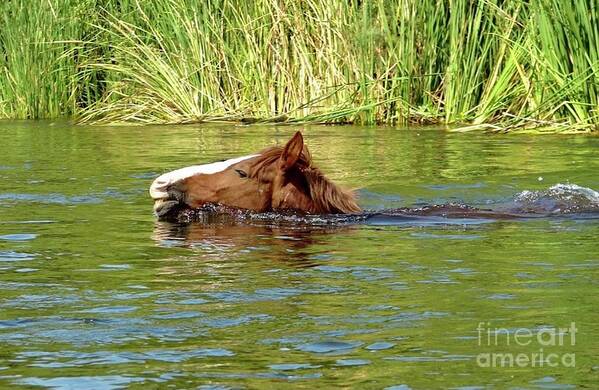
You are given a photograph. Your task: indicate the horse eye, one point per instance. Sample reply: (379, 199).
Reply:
(241, 173)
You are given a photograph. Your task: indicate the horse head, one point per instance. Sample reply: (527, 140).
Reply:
(274, 179)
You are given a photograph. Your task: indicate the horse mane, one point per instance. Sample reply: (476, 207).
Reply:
(326, 196)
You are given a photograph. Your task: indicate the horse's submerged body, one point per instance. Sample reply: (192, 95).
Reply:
(217, 214)
(281, 185)
(275, 179)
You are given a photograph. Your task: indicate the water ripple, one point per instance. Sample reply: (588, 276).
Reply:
(52, 198)
(65, 359)
(352, 362)
(15, 256)
(380, 346)
(18, 237)
(329, 346)
(82, 382)
(292, 366)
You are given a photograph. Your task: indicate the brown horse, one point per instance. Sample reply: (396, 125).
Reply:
(273, 179)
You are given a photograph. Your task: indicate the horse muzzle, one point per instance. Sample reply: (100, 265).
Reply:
(168, 199)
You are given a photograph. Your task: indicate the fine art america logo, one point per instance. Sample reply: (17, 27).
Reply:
(500, 339)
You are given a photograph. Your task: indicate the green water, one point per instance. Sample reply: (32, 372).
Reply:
(95, 294)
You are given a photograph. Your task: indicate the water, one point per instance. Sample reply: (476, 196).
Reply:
(94, 293)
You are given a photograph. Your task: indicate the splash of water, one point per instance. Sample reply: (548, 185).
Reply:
(559, 199)
(211, 213)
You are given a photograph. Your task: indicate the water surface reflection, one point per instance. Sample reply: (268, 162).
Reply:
(94, 293)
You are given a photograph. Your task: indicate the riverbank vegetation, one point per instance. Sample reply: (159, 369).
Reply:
(486, 64)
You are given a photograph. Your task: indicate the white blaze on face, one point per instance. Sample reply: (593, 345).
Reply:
(158, 189)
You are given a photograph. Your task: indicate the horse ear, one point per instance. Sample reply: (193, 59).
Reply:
(291, 152)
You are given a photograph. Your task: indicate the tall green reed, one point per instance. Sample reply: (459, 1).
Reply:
(514, 64)
(40, 47)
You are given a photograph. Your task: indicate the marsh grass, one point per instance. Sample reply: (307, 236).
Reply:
(40, 47)
(482, 64)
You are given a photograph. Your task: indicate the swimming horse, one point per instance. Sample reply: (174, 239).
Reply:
(283, 180)
(274, 179)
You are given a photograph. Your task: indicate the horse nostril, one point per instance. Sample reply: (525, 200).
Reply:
(160, 184)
